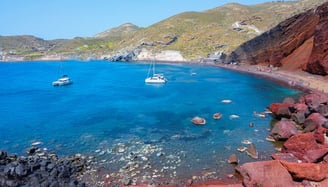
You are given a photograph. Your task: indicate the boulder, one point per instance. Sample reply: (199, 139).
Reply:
(265, 173)
(316, 155)
(289, 100)
(299, 144)
(314, 100)
(307, 171)
(233, 159)
(288, 157)
(316, 184)
(298, 117)
(320, 135)
(325, 159)
(252, 152)
(280, 110)
(283, 130)
(317, 119)
(323, 110)
(198, 121)
(301, 107)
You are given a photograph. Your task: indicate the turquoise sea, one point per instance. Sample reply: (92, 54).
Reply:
(131, 128)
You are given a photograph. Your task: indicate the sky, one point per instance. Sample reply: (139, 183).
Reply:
(66, 19)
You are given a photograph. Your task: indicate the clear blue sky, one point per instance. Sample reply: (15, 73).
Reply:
(53, 19)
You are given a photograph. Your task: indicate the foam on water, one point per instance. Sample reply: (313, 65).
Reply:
(111, 113)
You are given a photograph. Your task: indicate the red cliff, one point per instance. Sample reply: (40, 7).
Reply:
(300, 42)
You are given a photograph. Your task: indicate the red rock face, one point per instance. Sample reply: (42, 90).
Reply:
(318, 63)
(300, 42)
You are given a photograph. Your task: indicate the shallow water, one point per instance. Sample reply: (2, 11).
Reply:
(109, 112)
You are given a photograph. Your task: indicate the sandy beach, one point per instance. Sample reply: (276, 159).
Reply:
(297, 79)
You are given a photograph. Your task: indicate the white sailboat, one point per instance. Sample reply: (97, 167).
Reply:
(62, 81)
(153, 77)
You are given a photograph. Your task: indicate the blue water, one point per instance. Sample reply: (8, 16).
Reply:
(109, 107)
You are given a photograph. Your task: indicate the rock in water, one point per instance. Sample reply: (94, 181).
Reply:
(198, 121)
(233, 159)
(252, 152)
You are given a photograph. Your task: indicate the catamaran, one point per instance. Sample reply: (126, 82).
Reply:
(154, 77)
(64, 80)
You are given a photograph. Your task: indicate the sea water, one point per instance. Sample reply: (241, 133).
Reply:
(111, 114)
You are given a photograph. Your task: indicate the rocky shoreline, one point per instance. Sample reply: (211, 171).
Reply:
(303, 159)
(39, 168)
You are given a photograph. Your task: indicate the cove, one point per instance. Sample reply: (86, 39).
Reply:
(132, 128)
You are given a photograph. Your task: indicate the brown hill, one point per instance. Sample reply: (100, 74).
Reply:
(300, 42)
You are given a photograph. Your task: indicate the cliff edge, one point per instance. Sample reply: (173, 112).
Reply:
(299, 43)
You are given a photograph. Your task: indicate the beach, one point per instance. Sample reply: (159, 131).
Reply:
(298, 78)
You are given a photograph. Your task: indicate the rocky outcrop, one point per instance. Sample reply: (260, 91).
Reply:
(303, 160)
(41, 169)
(300, 42)
(167, 55)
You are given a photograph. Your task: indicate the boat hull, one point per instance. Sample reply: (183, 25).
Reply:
(155, 81)
(57, 83)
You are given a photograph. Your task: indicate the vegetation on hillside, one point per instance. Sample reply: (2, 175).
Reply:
(194, 34)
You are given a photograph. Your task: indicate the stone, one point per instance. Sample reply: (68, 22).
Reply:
(265, 173)
(252, 152)
(283, 130)
(198, 121)
(323, 110)
(315, 184)
(3, 155)
(325, 159)
(299, 144)
(233, 159)
(315, 155)
(307, 171)
(20, 170)
(289, 100)
(301, 107)
(280, 110)
(315, 119)
(298, 117)
(320, 135)
(314, 100)
(288, 157)
(40, 171)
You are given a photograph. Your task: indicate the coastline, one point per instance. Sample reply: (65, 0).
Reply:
(300, 80)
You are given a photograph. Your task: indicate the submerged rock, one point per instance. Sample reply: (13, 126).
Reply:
(217, 115)
(233, 159)
(198, 121)
(252, 152)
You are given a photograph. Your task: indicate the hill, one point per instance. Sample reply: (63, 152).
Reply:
(197, 34)
(194, 34)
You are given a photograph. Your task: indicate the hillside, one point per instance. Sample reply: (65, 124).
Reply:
(26, 44)
(193, 34)
(196, 34)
